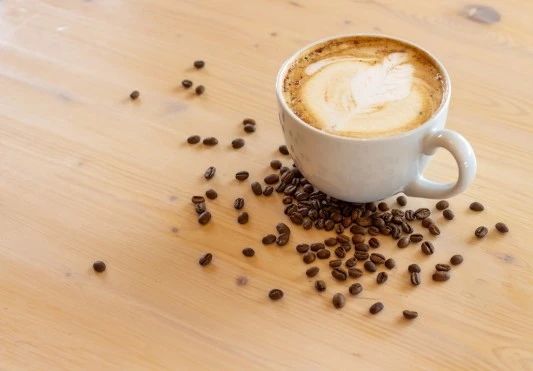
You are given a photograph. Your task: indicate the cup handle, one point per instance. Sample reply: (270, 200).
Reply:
(461, 150)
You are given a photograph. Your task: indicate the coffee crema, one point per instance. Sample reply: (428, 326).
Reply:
(364, 87)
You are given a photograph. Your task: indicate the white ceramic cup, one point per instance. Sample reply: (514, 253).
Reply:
(370, 169)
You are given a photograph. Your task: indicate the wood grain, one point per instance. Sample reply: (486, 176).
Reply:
(86, 174)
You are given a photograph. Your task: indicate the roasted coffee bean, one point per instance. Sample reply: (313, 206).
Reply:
(356, 229)
(456, 259)
(242, 175)
(200, 89)
(200, 208)
(340, 252)
(248, 121)
(237, 143)
(338, 300)
(339, 274)
(387, 217)
(292, 208)
(206, 259)
(323, 213)
(272, 179)
(210, 141)
(361, 247)
(336, 217)
(186, 83)
(282, 239)
(323, 254)
(99, 266)
(301, 196)
(275, 294)
(422, 213)
(410, 314)
(283, 228)
(355, 272)
(283, 149)
(268, 239)
(374, 243)
(476, 206)
(441, 276)
(448, 214)
(396, 233)
(355, 289)
(401, 200)
(343, 239)
(193, 139)
(350, 263)
(320, 285)
(378, 223)
(415, 278)
(316, 246)
(309, 257)
(358, 238)
(288, 176)
(371, 206)
(204, 218)
(396, 219)
(427, 222)
(382, 278)
(376, 308)
(396, 212)
(283, 170)
(311, 272)
(210, 172)
(319, 224)
(257, 189)
(197, 199)
(417, 237)
(385, 230)
(406, 228)
(199, 64)
(243, 218)
(329, 225)
(249, 128)
(409, 215)
(373, 231)
(383, 206)
(361, 255)
(248, 252)
(481, 232)
(502, 227)
(370, 266)
(268, 191)
(442, 205)
(364, 222)
(308, 188)
(302, 248)
(287, 200)
(403, 242)
(211, 194)
(307, 223)
(434, 230)
(296, 218)
(281, 187)
(275, 164)
(390, 263)
(443, 267)
(134, 95)
(427, 248)
(414, 268)
(330, 241)
(335, 263)
(377, 258)
(289, 189)
(238, 203)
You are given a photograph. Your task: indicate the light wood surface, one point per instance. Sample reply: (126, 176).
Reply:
(86, 174)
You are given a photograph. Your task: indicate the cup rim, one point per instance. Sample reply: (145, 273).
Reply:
(445, 101)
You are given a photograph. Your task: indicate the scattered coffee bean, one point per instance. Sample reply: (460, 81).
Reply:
(373, 231)
(335, 263)
(302, 248)
(502, 227)
(198, 199)
(271, 179)
(443, 267)
(363, 247)
(206, 259)
(330, 241)
(409, 215)
(442, 205)
(204, 218)
(210, 172)
(390, 263)
(481, 232)
(99, 266)
(242, 175)
(401, 200)
(320, 285)
(410, 314)
(329, 225)
(249, 128)
(340, 252)
(415, 278)
(238, 203)
(448, 214)
(309, 257)
(307, 224)
(275, 294)
(434, 230)
(186, 84)
(200, 89)
(211, 194)
(282, 239)
(283, 228)
(355, 289)
(422, 213)
(358, 238)
(350, 263)
(257, 189)
(355, 272)
(370, 266)
(248, 121)
(404, 242)
(268, 191)
(210, 141)
(316, 246)
(361, 255)
(338, 300)
(283, 149)
(313, 271)
(343, 239)
(427, 248)
(275, 164)
(323, 254)
(243, 218)
(200, 208)
(427, 222)
(476, 206)
(283, 170)
(441, 276)
(382, 278)
(268, 239)
(414, 268)
(456, 259)
(417, 237)
(355, 229)
(199, 64)
(339, 274)
(374, 243)
(376, 308)
(377, 258)
(296, 218)
(193, 139)
(248, 252)
(383, 206)
(134, 95)
(237, 143)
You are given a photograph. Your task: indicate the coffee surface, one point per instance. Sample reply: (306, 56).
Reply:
(364, 87)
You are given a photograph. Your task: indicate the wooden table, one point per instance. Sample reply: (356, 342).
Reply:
(88, 174)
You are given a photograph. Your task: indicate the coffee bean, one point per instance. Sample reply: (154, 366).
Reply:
(301, 196)
(99, 266)
(358, 238)
(441, 276)
(356, 229)
(396, 233)
(379, 223)
(199, 64)
(374, 243)
(243, 218)
(204, 218)
(197, 199)
(210, 141)
(409, 215)
(302, 248)
(396, 219)
(268, 191)
(383, 206)
(417, 237)
(283, 149)
(330, 241)
(316, 246)
(355, 272)
(376, 308)
(370, 266)
(427, 222)
(257, 189)
(448, 214)
(382, 278)
(390, 263)
(134, 95)
(237, 143)
(248, 121)
(186, 84)
(275, 294)
(443, 267)
(406, 228)
(340, 252)
(456, 259)
(206, 259)
(307, 224)
(385, 230)
(200, 89)
(422, 213)
(397, 212)
(338, 300)
(271, 179)
(373, 231)
(211, 194)
(309, 257)
(410, 314)
(249, 128)
(287, 200)
(343, 239)
(210, 172)
(308, 188)
(434, 230)
(242, 175)
(377, 258)
(401, 200)
(355, 289)
(361, 247)
(364, 222)
(283, 170)
(238, 203)
(371, 206)
(296, 218)
(329, 225)
(427, 248)
(311, 272)
(476, 206)
(320, 285)
(268, 239)
(200, 208)
(248, 252)
(481, 232)
(339, 274)
(414, 268)
(335, 263)
(193, 139)
(361, 255)
(442, 205)
(350, 263)
(283, 239)
(415, 278)
(283, 228)
(502, 227)
(323, 254)
(275, 164)
(403, 242)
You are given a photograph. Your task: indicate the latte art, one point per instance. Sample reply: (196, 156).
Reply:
(365, 89)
